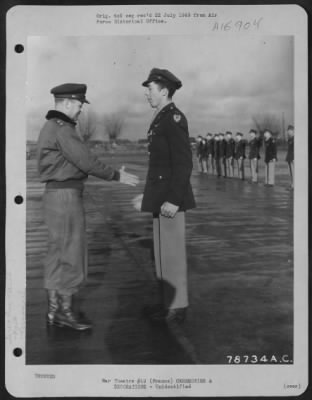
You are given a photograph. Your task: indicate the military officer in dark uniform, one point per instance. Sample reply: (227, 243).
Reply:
(168, 193)
(254, 155)
(199, 149)
(64, 163)
(229, 153)
(240, 155)
(270, 158)
(290, 153)
(223, 145)
(217, 154)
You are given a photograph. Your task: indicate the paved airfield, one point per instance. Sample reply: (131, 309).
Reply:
(240, 255)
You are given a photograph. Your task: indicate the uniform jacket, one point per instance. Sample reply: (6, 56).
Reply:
(240, 148)
(62, 156)
(290, 150)
(254, 149)
(210, 145)
(270, 150)
(230, 148)
(223, 145)
(217, 149)
(203, 148)
(170, 162)
(198, 147)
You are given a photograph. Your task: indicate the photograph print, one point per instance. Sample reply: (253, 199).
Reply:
(160, 197)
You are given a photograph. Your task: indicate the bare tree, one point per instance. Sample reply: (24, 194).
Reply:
(113, 124)
(267, 121)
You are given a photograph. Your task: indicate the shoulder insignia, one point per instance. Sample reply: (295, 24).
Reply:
(177, 117)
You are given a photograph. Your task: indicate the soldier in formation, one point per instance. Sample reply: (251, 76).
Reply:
(229, 154)
(270, 158)
(254, 155)
(210, 153)
(217, 154)
(290, 153)
(240, 155)
(222, 155)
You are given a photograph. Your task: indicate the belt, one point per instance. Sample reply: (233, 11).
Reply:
(68, 184)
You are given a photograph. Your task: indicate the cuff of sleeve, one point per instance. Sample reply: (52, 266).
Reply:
(173, 200)
(116, 176)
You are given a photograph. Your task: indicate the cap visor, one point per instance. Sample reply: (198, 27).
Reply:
(145, 83)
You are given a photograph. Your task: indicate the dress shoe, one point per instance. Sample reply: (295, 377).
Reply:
(171, 315)
(151, 309)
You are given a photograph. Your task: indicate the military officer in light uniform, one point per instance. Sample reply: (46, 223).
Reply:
(290, 153)
(64, 163)
(270, 158)
(168, 194)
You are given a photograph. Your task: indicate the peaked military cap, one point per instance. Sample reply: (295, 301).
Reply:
(71, 91)
(163, 75)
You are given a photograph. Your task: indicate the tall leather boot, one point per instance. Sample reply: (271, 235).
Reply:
(53, 306)
(66, 317)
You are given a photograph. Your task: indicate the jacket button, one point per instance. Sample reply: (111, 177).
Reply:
(160, 177)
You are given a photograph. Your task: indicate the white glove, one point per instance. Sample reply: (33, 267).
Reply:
(137, 202)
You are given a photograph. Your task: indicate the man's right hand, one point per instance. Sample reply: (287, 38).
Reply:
(137, 202)
(128, 179)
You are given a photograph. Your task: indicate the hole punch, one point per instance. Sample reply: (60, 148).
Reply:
(19, 48)
(19, 199)
(17, 352)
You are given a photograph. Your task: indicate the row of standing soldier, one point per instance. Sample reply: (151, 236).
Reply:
(222, 154)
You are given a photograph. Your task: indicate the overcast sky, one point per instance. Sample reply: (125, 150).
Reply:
(226, 80)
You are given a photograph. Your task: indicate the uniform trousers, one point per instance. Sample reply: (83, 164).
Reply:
(170, 259)
(204, 161)
(65, 267)
(223, 167)
(199, 164)
(240, 168)
(254, 169)
(269, 174)
(210, 164)
(291, 172)
(218, 166)
(230, 166)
